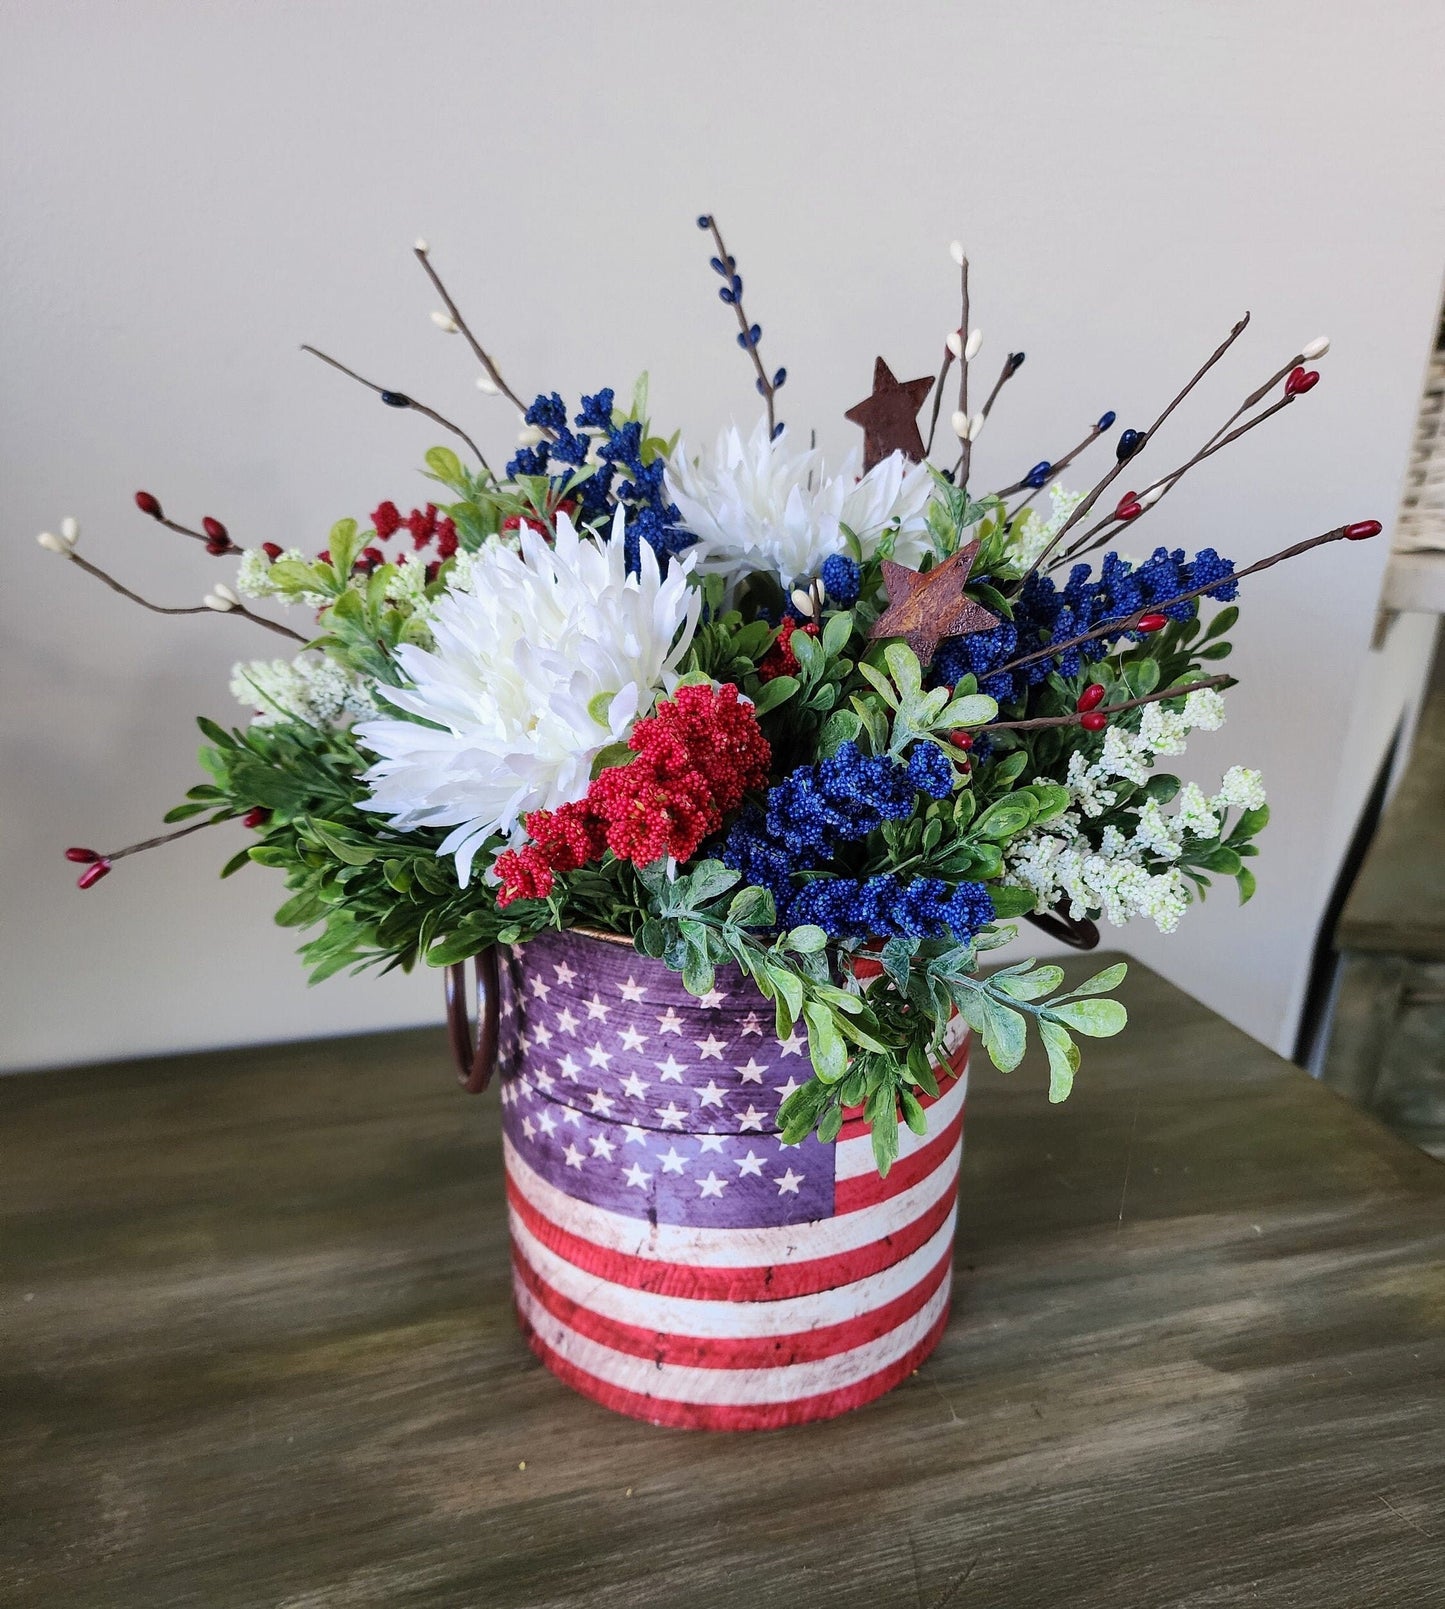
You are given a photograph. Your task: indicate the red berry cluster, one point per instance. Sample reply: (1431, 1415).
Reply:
(425, 525)
(696, 758)
(780, 660)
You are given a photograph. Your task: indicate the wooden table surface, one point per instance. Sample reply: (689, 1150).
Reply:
(258, 1349)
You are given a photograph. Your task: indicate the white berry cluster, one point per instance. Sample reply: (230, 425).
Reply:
(311, 689)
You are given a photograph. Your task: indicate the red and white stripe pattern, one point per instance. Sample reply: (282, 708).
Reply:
(740, 1325)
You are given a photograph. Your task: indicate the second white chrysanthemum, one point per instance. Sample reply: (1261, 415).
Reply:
(541, 659)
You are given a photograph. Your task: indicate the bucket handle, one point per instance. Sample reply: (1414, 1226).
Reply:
(476, 1062)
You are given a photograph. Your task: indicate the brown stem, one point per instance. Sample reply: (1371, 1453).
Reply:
(937, 399)
(1124, 623)
(406, 401)
(1005, 374)
(1056, 467)
(1111, 709)
(965, 450)
(494, 374)
(1082, 510)
(764, 383)
(185, 530)
(163, 838)
(183, 609)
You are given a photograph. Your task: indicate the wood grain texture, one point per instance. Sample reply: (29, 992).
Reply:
(258, 1350)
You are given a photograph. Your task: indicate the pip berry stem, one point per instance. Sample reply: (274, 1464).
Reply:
(182, 609)
(1057, 465)
(965, 447)
(399, 399)
(494, 374)
(1077, 717)
(765, 385)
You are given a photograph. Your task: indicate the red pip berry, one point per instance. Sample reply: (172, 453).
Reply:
(93, 874)
(149, 504)
(256, 816)
(324, 556)
(1130, 508)
(1363, 530)
(1094, 721)
(215, 530)
(272, 550)
(433, 570)
(1300, 381)
(1150, 623)
(82, 857)
(218, 547)
(961, 739)
(1091, 698)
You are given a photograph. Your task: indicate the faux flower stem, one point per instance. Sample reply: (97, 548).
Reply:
(1123, 623)
(765, 385)
(965, 447)
(1082, 510)
(1005, 374)
(162, 838)
(938, 385)
(1056, 468)
(181, 609)
(406, 402)
(1077, 716)
(494, 374)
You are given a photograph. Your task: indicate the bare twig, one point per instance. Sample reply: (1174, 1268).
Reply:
(494, 374)
(184, 609)
(765, 385)
(1110, 709)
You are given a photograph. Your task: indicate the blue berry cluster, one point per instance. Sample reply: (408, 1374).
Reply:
(1044, 614)
(887, 907)
(621, 478)
(841, 579)
(810, 814)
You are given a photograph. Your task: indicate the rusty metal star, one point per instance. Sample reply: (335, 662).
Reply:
(889, 416)
(923, 609)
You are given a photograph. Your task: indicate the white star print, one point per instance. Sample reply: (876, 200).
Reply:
(751, 1119)
(507, 1006)
(597, 1057)
(602, 1147)
(631, 990)
(671, 1115)
(792, 1045)
(711, 1000)
(671, 1161)
(710, 1142)
(751, 1024)
(548, 1124)
(710, 1094)
(636, 1177)
(788, 1183)
(542, 1034)
(671, 1068)
(749, 1164)
(545, 1081)
(669, 1022)
(633, 1087)
(574, 1157)
(752, 1073)
(565, 974)
(636, 1134)
(571, 1115)
(712, 1185)
(601, 1103)
(569, 1067)
(524, 1044)
(631, 1039)
(711, 1046)
(540, 989)
(597, 1007)
(787, 1089)
(528, 1128)
(566, 1021)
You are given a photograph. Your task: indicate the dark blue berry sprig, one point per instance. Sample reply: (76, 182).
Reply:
(1050, 469)
(725, 265)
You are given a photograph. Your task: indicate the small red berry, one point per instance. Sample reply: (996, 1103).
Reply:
(1091, 697)
(1363, 530)
(1094, 721)
(961, 739)
(433, 570)
(1130, 508)
(1148, 623)
(82, 857)
(272, 550)
(93, 874)
(218, 547)
(1300, 381)
(324, 556)
(256, 816)
(215, 530)
(148, 504)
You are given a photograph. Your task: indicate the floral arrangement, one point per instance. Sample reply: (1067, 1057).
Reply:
(747, 709)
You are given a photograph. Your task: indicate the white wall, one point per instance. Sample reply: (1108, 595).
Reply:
(190, 191)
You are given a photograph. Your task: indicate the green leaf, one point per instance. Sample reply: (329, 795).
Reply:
(1009, 901)
(752, 907)
(771, 694)
(1103, 982)
(1005, 1036)
(790, 991)
(1003, 820)
(825, 1044)
(1099, 1019)
(1063, 1059)
(1030, 985)
(885, 1142)
(907, 673)
(975, 709)
(913, 1113)
(1247, 884)
(446, 466)
(807, 939)
(1218, 650)
(1221, 623)
(709, 879)
(836, 634)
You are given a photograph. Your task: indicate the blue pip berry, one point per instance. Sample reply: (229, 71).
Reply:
(396, 399)
(704, 220)
(1130, 441)
(1038, 476)
(1015, 362)
(841, 579)
(1106, 420)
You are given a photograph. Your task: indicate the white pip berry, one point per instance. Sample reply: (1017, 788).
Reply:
(1316, 348)
(420, 245)
(975, 426)
(975, 341)
(444, 321)
(954, 342)
(53, 543)
(215, 600)
(955, 250)
(959, 422)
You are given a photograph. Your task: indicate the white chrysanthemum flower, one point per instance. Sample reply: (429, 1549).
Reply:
(542, 659)
(755, 505)
(310, 689)
(1240, 789)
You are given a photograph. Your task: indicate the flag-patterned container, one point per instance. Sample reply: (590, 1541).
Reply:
(672, 1259)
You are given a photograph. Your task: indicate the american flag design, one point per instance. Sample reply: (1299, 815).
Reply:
(672, 1259)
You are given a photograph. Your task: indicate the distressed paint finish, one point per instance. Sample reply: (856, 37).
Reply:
(257, 1348)
(673, 1259)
